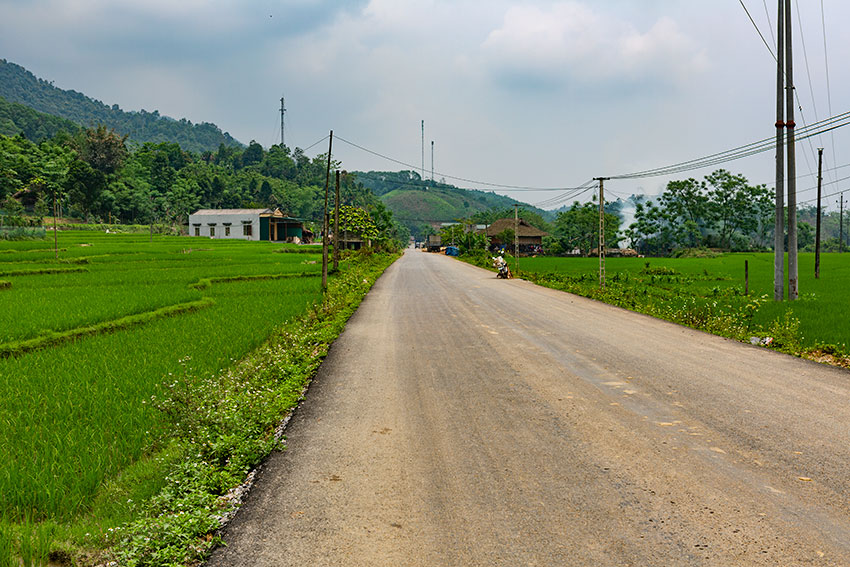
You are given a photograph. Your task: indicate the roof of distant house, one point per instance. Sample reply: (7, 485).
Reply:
(524, 229)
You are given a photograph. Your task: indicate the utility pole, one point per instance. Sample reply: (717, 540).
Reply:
(779, 225)
(282, 111)
(423, 151)
(841, 226)
(817, 224)
(601, 246)
(516, 239)
(325, 220)
(336, 224)
(792, 162)
(432, 162)
(55, 234)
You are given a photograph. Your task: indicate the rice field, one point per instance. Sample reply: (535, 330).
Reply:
(77, 412)
(821, 307)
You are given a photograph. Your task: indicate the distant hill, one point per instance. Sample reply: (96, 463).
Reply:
(415, 202)
(17, 85)
(17, 119)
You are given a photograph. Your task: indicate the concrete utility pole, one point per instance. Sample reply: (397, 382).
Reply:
(841, 226)
(779, 225)
(282, 111)
(325, 220)
(336, 224)
(516, 239)
(817, 224)
(792, 162)
(601, 246)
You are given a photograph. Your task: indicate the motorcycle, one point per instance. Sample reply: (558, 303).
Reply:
(502, 269)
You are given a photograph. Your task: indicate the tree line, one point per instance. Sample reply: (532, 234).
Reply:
(97, 175)
(721, 211)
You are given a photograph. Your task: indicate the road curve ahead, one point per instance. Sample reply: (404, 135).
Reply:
(462, 420)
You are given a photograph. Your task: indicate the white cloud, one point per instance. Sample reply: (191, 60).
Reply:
(572, 43)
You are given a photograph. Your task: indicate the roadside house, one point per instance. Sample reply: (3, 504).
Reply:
(247, 224)
(530, 238)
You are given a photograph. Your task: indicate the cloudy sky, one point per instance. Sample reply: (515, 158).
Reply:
(526, 93)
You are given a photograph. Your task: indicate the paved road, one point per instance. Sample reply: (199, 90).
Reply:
(462, 420)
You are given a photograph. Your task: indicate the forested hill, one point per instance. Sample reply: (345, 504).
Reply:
(18, 118)
(20, 86)
(415, 201)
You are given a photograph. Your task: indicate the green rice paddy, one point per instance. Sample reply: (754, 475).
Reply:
(80, 410)
(821, 308)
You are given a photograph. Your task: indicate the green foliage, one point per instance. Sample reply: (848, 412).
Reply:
(94, 175)
(699, 292)
(465, 237)
(416, 202)
(17, 348)
(722, 211)
(227, 426)
(357, 221)
(17, 85)
(785, 333)
(578, 228)
(36, 126)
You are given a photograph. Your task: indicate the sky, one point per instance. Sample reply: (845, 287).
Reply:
(526, 93)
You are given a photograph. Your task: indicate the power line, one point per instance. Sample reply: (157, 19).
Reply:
(740, 152)
(826, 65)
(769, 23)
(315, 143)
(772, 54)
(447, 176)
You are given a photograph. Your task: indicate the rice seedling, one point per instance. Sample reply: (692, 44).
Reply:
(77, 411)
(674, 285)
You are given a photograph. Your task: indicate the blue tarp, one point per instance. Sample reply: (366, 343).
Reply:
(452, 251)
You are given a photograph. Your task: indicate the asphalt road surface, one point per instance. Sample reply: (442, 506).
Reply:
(463, 420)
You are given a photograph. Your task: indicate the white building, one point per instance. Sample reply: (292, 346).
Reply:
(245, 224)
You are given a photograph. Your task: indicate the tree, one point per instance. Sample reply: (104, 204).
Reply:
(103, 149)
(685, 205)
(253, 154)
(578, 227)
(84, 185)
(736, 206)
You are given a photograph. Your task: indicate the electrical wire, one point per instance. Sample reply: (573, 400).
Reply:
(767, 45)
(769, 23)
(740, 152)
(447, 176)
(826, 65)
(316, 143)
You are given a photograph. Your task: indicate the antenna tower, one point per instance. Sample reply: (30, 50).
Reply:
(422, 176)
(282, 112)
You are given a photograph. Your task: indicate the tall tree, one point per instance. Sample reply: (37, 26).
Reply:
(103, 149)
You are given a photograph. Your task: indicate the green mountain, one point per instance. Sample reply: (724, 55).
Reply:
(416, 202)
(17, 85)
(17, 119)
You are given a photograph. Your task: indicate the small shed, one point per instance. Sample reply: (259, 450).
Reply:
(247, 224)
